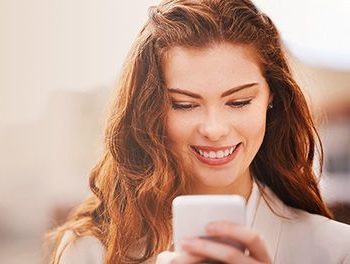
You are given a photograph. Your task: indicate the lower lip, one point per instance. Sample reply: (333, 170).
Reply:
(218, 162)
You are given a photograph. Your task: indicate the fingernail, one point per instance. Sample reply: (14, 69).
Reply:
(211, 227)
(187, 242)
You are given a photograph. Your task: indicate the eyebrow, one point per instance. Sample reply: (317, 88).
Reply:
(224, 94)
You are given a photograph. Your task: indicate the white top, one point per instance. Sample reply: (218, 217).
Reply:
(252, 205)
(85, 250)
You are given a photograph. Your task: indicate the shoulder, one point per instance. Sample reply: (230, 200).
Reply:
(301, 219)
(317, 237)
(319, 226)
(86, 249)
(312, 236)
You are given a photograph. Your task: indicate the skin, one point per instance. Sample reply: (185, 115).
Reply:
(214, 120)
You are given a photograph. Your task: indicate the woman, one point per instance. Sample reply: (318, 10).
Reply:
(206, 104)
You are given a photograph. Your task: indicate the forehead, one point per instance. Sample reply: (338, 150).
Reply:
(221, 65)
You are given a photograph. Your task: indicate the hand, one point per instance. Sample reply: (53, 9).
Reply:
(197, 250)
(245, 236)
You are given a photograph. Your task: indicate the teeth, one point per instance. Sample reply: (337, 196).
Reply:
(220, 154)
(216, 155)
(231, 150)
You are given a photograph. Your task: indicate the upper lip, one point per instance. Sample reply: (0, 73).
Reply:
(210, 148)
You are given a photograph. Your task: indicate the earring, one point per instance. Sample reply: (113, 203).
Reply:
(270, 105)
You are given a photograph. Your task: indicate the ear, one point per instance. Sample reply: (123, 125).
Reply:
(271, 97)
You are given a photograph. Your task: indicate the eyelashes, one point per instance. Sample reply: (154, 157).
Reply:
(188, 106)
(239, 104)
(177, 106)
(180, 106)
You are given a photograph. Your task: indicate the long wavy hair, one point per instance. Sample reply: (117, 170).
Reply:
(138, 176)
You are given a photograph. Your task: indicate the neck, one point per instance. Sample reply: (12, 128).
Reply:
(241, 186)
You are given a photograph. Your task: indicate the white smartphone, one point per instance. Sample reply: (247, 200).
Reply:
(191, 214)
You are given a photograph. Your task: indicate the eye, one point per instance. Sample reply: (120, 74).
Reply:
(183, 106)
(239, 104)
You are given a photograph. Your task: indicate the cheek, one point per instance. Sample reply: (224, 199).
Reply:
(254, 129)
(178, 128)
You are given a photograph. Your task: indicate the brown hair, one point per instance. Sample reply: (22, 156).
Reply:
(138, 177)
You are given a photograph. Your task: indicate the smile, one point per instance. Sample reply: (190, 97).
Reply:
(215, 156)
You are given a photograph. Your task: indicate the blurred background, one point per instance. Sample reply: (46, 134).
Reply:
(59, 60)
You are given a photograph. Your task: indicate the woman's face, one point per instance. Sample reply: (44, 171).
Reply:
(216, 122)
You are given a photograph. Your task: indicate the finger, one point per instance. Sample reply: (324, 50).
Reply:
(244, 235)
(187, 258)
(216, 251)
(168, 257)
(165, 257)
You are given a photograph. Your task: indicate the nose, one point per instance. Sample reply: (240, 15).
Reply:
(214, 126)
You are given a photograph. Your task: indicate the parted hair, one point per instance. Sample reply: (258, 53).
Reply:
(138, 176)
